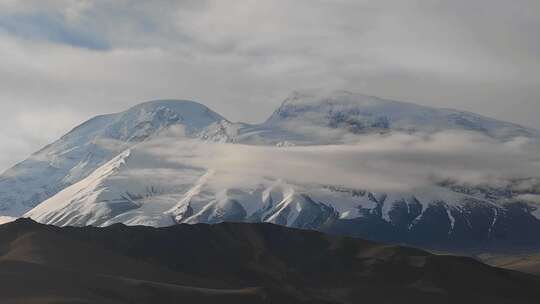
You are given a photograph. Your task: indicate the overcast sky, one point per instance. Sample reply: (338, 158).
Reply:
(63, 61)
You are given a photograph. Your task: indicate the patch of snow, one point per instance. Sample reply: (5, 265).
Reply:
(6, 219)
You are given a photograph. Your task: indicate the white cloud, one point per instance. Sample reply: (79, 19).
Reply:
(377, 163)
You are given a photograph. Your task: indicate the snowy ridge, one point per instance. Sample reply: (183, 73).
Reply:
(90, 145)
(76, 197)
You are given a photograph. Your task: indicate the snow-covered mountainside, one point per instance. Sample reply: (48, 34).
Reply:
(136, 188)
(90, 145)
(103, 173)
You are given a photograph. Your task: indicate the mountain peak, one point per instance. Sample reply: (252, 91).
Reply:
(315, 96)
(90, 145)
(317, 103)
(177, 104)
(190, 113)
(359, 113)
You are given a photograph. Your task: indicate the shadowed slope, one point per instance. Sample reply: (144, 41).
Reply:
(248, 263)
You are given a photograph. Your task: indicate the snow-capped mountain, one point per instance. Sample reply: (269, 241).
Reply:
(128, 168)
(90, 145)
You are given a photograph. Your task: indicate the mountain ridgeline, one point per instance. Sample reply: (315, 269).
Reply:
(97, 174)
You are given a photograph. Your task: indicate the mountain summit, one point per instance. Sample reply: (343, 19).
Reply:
(359, 113)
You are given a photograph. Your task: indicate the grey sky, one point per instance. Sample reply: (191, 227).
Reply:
(63, 61)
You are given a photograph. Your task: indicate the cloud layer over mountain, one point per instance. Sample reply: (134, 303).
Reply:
(397, 162)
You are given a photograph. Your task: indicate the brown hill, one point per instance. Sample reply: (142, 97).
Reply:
(236, 263)
(529, 263)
